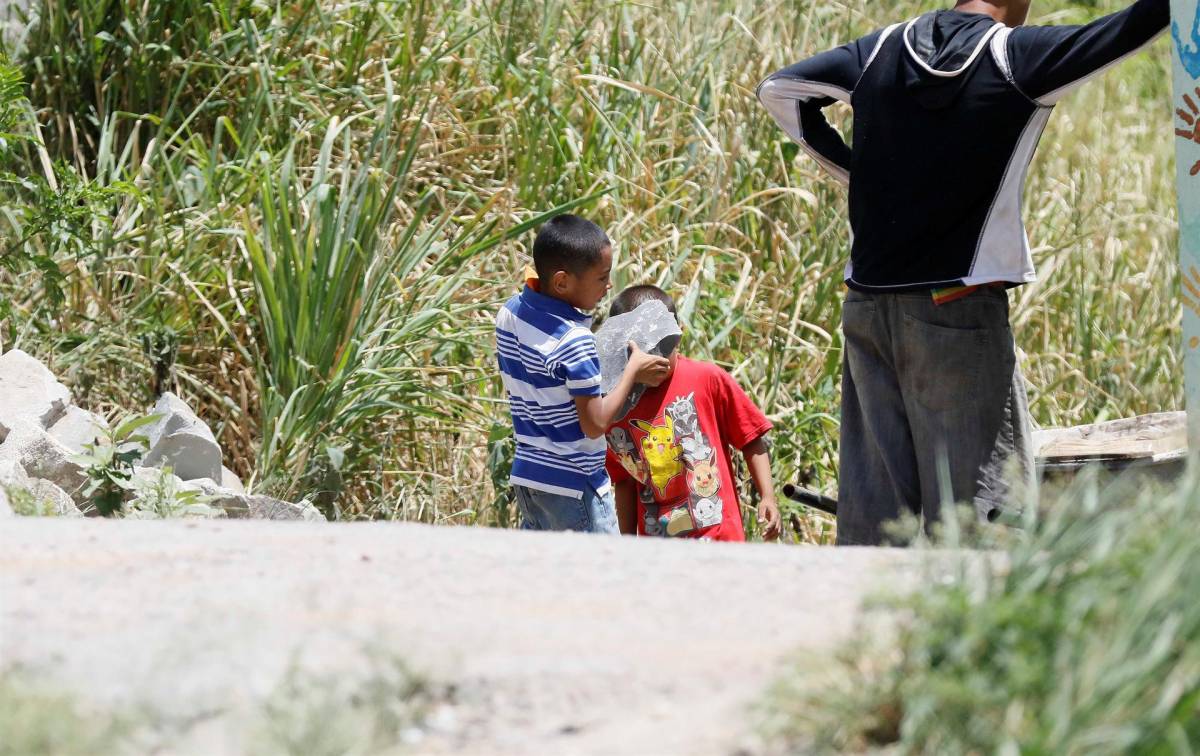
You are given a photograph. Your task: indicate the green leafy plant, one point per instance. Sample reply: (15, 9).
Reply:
(500, 450)
(109, 463)
(27, 503)
(161, 496)
(55, 213)
(1084, 638)
(381, 711)
(59, 223)
(14, 108)
(328, 715)
(38, 720)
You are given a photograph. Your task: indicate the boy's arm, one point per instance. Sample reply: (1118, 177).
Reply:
(744, 426)
(625, 493)
(758, 460)
(597, 413)
(1048, 62)
(796, 95)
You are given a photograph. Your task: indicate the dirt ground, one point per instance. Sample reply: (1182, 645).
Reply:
(554, 643)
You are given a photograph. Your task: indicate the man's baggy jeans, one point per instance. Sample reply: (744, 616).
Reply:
(927, 386)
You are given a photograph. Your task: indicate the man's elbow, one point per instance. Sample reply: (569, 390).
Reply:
(762, 91)
(769, 95)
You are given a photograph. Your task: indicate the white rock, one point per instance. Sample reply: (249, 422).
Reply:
(246, 507)
(232, 502)
(12, 474)
(28, 390)
(266, 508)
(5, 508)
(243, 506)
(230, 481)
(48, 499)
(190, 455)
(206, 486)
(51, 500)
(183, 441)
(77, 428)
(42, 456)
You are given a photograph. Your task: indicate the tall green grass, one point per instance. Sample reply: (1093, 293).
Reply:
(1085, 639)
(494, 112)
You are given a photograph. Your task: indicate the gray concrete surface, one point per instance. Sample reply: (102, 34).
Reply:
(555, 643)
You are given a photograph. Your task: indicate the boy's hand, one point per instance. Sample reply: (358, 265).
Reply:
(597, 413)
(647, 368)
(769, 519)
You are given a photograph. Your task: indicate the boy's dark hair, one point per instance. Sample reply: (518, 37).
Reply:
(635, 296)
(567, 242)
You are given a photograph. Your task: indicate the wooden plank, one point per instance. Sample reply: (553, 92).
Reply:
(1160, 435)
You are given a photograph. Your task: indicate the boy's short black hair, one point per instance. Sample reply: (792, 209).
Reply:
(567, 242)
(635, 296)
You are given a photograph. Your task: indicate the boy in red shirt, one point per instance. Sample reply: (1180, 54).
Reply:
(669, 456)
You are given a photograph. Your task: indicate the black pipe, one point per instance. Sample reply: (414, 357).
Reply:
(810, 498)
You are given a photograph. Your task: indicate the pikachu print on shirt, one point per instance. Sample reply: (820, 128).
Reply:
(674, 464)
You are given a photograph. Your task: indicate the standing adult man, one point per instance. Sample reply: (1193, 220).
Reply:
(948, 109)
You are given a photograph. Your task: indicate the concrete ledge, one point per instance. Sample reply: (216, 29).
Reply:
(556, 642)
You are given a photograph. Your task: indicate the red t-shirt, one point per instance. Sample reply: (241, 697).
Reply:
(675, 445)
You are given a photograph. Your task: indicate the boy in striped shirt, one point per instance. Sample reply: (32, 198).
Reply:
(551, 373)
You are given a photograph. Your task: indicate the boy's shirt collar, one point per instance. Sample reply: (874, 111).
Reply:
(538, 301)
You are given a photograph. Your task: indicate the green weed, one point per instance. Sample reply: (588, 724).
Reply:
(1085, 638)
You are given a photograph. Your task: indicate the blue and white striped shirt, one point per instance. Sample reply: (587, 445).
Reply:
(547, 357)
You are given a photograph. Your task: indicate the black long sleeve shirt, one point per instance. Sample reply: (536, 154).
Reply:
(948, 110)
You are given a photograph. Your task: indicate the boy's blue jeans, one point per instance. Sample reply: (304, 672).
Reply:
(542, 510)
